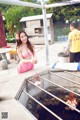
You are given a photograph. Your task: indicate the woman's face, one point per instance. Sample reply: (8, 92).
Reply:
(17, 37)
(23, 37)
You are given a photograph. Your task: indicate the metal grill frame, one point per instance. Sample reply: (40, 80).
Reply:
(29, 80)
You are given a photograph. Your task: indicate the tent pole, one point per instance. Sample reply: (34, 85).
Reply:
(20, 3)
(45, 32)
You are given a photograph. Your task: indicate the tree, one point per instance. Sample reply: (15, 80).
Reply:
(4, 7)
(15, 13)
(66, 12)
(12, 18)
(71, 13)
(33, 1)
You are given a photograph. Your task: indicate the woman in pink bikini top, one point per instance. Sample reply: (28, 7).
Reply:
(26, 53)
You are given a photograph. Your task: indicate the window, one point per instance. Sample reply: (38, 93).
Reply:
(24, 24)
(37, 30)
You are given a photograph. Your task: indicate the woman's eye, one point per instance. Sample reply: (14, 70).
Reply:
(22, 36)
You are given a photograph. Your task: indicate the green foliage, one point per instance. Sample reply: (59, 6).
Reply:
(10, 39)
(12, 18)
(4, 8)
(60, 30)
(33, 1)
(0, 9)
(13, 14)
(65, 31)
(71, 12)
(54, 1)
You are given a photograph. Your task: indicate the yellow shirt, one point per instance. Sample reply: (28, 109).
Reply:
(74, 38)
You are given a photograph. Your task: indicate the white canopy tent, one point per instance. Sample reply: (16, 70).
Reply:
(42, 6)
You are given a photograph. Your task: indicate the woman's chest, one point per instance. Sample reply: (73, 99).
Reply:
(26, 53)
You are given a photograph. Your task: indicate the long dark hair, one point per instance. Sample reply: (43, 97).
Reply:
(28, 43)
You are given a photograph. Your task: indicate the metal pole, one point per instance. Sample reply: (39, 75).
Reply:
(20, 3)
(45, 32)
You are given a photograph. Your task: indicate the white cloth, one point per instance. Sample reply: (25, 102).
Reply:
(65, 66)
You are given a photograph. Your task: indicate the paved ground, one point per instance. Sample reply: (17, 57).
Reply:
(53, 50)
(11, 81)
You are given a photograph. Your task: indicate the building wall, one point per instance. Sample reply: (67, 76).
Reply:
(36, 24)
(33, 23)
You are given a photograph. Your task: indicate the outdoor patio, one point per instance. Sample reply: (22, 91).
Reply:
(11, 82)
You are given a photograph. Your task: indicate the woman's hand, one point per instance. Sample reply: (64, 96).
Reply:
(34, 61)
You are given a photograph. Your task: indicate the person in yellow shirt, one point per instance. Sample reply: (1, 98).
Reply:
(73, 44)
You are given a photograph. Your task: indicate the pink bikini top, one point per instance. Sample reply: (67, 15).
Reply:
(26, 54)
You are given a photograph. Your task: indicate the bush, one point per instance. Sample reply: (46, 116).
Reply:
(60, 31)
(12, 40)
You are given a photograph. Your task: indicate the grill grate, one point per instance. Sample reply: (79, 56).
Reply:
(59, 79)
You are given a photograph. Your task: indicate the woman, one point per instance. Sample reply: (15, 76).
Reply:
(26, 53)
